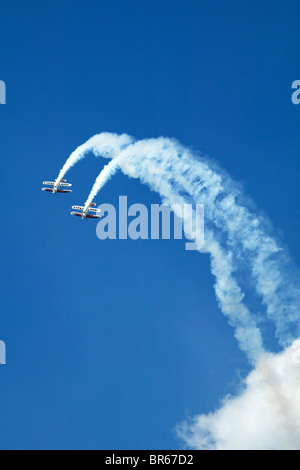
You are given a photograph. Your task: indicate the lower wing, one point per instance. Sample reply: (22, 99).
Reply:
(93, 216)
(48, 190)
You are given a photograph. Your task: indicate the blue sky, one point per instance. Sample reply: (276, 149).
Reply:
(111, 344)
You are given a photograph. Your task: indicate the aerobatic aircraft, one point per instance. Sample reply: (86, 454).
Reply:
(56, 186)
(84, 214)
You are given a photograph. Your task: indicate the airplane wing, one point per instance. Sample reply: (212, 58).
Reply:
(78, 208)
(49, 183)
(94, 210)
(79, 214)
(93, 216)
(64, 191)
(66, 185)
(49, 190)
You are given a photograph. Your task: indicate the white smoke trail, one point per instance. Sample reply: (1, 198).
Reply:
(245, 239)
(265, 415)
(246, 259)
(229, 294)
(108, 171)
(236, 237)
(105, 145)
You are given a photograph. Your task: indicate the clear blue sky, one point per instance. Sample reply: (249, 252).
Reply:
(110, 344)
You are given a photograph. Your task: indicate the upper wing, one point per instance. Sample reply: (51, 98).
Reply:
(51, 183)
(67, 185)
(78, 208)
(94, 210)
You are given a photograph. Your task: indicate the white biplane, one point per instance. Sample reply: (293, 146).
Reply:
(85, 212)
(56, 186)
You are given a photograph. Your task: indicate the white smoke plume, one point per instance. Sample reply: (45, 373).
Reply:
(108, 171)
(247, 260)
(245, 235)
(105, 145)
(264, 416)
(237, 239)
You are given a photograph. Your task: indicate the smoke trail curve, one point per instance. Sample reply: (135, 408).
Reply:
(241, 244)
(237, 238)
(105, 145)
